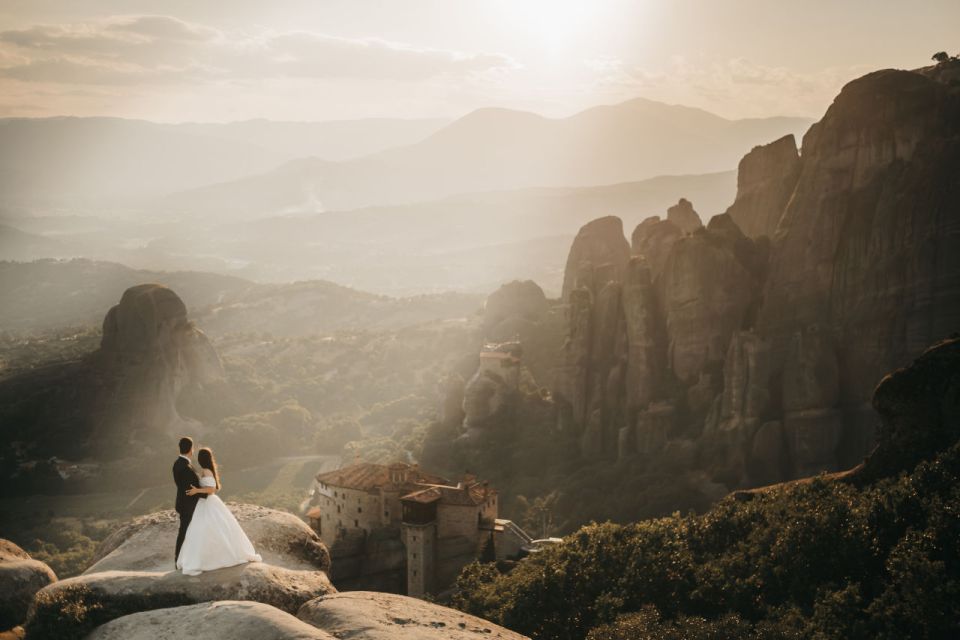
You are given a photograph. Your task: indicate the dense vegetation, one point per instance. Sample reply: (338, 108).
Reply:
(813, 559)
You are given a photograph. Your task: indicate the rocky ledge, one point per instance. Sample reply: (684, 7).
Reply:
(385, 616)
(146, 543)
(20, 578)
(131, 591)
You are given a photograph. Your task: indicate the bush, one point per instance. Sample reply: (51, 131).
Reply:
(816, 559)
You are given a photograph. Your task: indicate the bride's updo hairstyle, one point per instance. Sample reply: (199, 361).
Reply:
(205, 460)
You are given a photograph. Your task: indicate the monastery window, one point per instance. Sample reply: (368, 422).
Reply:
(414, 556)
(359, 509)
(414, 573)
(338, 508)
(386, 514)
(356, 523)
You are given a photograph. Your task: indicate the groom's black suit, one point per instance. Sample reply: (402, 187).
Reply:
(185, 476)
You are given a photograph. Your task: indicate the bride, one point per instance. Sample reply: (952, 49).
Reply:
(214, 539)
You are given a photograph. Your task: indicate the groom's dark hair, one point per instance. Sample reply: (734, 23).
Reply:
(186, 444)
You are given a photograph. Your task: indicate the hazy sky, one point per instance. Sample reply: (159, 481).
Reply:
(217, 60)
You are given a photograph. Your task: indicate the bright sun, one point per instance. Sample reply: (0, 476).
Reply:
(554, 25)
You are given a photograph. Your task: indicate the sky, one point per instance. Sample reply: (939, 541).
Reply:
(311, 60)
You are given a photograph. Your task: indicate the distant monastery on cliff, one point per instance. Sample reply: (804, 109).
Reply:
(442, 526)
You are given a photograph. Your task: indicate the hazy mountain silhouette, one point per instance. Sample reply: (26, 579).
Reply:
(71, 162)
(491, 149)
(467, 242)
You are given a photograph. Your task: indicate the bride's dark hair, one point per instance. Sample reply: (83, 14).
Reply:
(205, 460)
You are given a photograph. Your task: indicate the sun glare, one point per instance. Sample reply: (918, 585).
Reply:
(553, 25)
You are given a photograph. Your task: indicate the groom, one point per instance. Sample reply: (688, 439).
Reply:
(185, 476)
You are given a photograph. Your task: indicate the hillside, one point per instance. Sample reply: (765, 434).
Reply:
(832, 557)
(494, 149)
(49, 294)
(470, 242)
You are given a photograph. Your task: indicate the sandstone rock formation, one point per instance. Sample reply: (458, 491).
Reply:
(684, 217)
(766, 178)
(514, 300)
(598, 255)
(652, 239)
(148, 354)
(121, 401)
(225, 619)
(20, 578)
(763, 351)
(384, 616)
(484, 396)
(706, 290)
(919, 408)
(117, 598)
(144, 544)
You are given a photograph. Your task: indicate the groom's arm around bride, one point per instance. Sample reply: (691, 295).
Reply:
(184, 476)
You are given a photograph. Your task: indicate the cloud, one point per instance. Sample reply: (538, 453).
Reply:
(161, 49)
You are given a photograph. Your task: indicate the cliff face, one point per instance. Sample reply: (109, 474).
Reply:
(148, 354)
(121, 399)
(766, 178)
(760, 337)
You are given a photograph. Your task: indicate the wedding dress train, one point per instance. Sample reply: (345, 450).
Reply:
(214, 538)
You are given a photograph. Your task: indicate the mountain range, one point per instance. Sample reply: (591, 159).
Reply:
(496, 149)
(83, 164)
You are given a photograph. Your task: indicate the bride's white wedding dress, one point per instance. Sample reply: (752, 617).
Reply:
(214, 538)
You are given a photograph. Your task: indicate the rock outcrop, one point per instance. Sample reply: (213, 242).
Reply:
(919, 408)
(598, 255)
(115, 598)
(225, 619)
(684, 217)
(759, 338)
(766, 178)
(20, 578)
(384, 616)
(106, 595)
(652, 239)
(123, 401)
(149, 353)
(144, 544)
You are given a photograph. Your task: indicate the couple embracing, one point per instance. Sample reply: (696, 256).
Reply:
(209, 537)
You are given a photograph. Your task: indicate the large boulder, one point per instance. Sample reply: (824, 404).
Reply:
(368, 615)
(919, 409)
(684, 216)
(226, 619)
(766, 178)
(151, 352)
(75, 605)
(146, 543)
(20, 578)
(652, 239)
(523, 299)
(599, 254)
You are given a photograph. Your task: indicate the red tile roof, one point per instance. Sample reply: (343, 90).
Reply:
(368, 476)
(473, 496)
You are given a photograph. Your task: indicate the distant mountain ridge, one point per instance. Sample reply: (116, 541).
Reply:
(468, 242)
(496, 149)
(68, 162)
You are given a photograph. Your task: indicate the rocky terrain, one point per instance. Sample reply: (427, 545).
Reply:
(20, 578)
(132, 591)
(750, 347)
